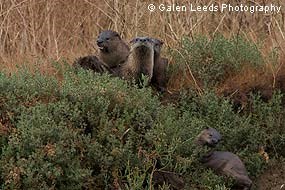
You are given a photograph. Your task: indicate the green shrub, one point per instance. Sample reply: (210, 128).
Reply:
(85, 121)
(44, 153)
(212, 60)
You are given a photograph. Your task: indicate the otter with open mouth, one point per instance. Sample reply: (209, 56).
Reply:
(113, 51)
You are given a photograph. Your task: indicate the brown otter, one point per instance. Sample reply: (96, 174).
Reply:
(208, 136)
(91, 62)
(225, 163)
(228, 164)
(113, 50)
(159, 69)
(140, 60)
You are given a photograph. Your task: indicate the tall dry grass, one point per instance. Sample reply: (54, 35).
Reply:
(41, 30)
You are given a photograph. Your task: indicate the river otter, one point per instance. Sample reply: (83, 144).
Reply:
(113, 50)
(208, 136)
(228, 164)
(159, 69)
(225, 163)
(91, 62)
(140, 60)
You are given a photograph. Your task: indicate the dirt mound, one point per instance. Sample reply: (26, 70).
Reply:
(249, 80)
(273, 178)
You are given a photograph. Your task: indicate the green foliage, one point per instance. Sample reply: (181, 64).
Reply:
(212, 60)
(44, 153)
(270, 117)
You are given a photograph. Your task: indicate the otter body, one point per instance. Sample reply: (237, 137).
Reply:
(228, 164)
(160, 65)
(113, 50)
(140, 60)
(208, 136)
(225, 163)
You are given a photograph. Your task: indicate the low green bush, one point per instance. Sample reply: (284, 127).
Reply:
(212, 60)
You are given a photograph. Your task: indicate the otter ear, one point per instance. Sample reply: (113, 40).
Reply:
(160, 42)
(118, 36)
(157, 41)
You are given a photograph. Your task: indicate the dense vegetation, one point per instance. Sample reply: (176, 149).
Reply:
(91, 131)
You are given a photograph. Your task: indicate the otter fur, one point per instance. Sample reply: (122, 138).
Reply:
(113, 51)
(91, 62)
(140, 60)
(208, 136)
(160, 65)
(228, 164)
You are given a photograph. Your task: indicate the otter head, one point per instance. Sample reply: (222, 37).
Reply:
(209, 136)
(142, 44)
(107, 41)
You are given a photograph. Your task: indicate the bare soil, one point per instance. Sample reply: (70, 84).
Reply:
(273, 178)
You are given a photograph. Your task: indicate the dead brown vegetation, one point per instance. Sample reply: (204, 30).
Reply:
(57, 29)
(38, 31)
(262, 81)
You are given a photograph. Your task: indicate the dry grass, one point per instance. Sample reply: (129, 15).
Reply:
(37, 31)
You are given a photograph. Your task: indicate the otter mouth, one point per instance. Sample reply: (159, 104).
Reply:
(102, 46)
(213, 143)
(144, 44)
(103, 49)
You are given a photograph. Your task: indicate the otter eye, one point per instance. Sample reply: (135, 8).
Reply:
(210, 135)
(107, 39)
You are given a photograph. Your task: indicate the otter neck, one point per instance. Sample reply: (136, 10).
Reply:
(145, 60)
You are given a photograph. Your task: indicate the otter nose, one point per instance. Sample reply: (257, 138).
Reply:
(99, 41)
(143, 39)
(215, 141)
